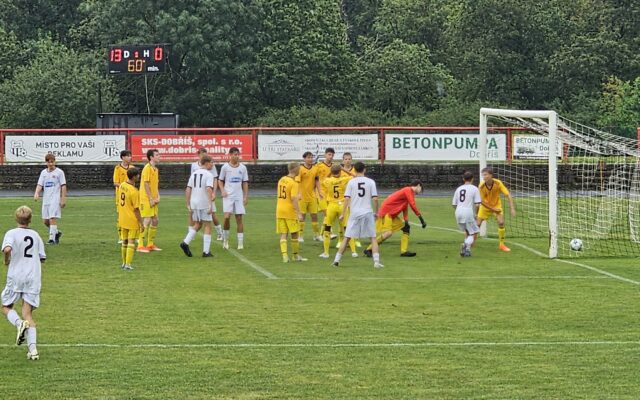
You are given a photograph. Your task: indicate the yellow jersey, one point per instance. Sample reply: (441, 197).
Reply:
(119, 176)
(334, 188)
(149, 174)
(324, 171)
(128, 203)
(307, 180)
(345, 173)
(287, 191)
(491, 195)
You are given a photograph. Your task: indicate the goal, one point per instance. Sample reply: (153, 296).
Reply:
(586, 185)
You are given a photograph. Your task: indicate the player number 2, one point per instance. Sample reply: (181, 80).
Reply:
(29, 240)
(463, 195)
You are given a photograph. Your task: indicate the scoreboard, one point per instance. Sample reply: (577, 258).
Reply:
(137, 59)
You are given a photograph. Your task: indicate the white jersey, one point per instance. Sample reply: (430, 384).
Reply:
(199, 181)
(196, 166)
(233, 178)
(51, 182)
(361, 190)
(465, 199)
(27, 249)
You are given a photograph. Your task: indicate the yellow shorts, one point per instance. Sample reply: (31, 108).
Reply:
(484, 213)
(322, 204)
(148, 212)
(310, 207)
(389, 224)
(285, 225)
(129, 234)
(332, 214)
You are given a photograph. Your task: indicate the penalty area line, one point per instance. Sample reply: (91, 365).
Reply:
(540, 254)
(250, 263)
(333, 345)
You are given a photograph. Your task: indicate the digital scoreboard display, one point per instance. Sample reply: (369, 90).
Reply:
(137, 59)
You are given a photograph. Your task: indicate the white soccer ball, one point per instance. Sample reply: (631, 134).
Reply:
(576, 244)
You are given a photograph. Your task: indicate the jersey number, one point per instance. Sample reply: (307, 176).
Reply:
(282, 192)
(196, 183)
(463, 195)
(336, 192)
(361, 189)
(122, 198)
(29, 240)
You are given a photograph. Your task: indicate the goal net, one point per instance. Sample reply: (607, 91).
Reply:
(586, 186)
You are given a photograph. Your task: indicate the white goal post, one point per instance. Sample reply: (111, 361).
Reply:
(552, 119)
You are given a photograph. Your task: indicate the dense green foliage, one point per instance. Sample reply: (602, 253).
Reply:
(243, 62)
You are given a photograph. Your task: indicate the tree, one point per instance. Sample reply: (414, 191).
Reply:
(56, 89)
(401, 75)
(619, 107)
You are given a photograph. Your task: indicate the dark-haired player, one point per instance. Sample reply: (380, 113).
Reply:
(466, 201)
(234, 187)
(490, 190)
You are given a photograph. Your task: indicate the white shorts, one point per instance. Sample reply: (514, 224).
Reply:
(470, 227)
(467, 221)
(201, 216)
(51, 211)
(10, 297)
(233, 206)
(363, 226)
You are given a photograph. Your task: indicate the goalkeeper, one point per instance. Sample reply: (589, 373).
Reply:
(389, 219)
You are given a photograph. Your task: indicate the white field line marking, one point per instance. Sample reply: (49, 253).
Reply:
(248, 262)
(333, 345)
(444, 278)
(538, 253)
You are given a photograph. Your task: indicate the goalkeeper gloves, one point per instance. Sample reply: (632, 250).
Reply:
(422, 221)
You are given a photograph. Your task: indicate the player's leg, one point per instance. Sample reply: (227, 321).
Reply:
(502, 233)
(284, 251)
(206, 239)
(341, 250)
(191, 234)
(227, 208)
(217, 226)
(330, 216)
(315, 227)
(123, 245)
(384, 230)
(131, 236)
(153, 230)
(400, 225)
(293, 227)
(27, 315)
(8, 299)
(240, 231)
(375, 252)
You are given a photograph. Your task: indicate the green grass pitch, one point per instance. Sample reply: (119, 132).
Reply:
(494, 326)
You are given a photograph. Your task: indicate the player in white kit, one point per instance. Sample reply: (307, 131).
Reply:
(360, 194)
(24, 254)
(53, 185)
(200, 197)
(197, 165)
(466, 201)
(234, 187)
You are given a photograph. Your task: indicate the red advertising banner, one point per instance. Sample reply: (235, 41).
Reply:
(184, 147)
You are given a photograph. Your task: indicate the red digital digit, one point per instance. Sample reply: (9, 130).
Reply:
(158, 54)
(116, 55)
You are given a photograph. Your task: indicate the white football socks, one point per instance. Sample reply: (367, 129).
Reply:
(469, 241)
(31, 338)
(218, 229)
(376, 258)
(206, 243)
(240, 237)
(13, 318)
(53, 230)
(338, 257)
(225, 235)
(191, 234)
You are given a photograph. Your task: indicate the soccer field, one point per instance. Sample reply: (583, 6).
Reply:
(243, 325)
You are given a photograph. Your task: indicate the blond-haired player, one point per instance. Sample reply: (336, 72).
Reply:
(334, 188)
(200, 197)
(288, 213)
(149, 200)
(308, 185)
(490, 191)
(129, 218)
(202, 152)
(24, 254)
(120, 176)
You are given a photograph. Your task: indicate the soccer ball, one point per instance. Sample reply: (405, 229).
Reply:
(576, 244)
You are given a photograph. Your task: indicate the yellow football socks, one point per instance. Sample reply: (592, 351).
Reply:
(283, 247)
(404, 243)
(326, 241)
(352, 245)
(301, 234)
(141, 237)
(131, 249)
(123, 253)
(152, 235)
(295, 247)
(315, 228)
(502, 233)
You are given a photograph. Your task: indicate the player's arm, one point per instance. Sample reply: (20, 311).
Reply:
(7, 254)
(36, 195)
(345, 206)
(375, 204)
(116, 184)
(214, 189)
(63, 195)
(212, 197)
(512, 207)
(319, 188)
(295, 202)
(245, 192)
(147, 190)
(187, 197)
(136, 211)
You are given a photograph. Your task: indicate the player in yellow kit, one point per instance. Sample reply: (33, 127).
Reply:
(490, 190)
(308, 184)
(334, 187)
(324, 170)
(149, 199)
(120, 176)
(347, 170)
(129, 218)
(288, 213)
